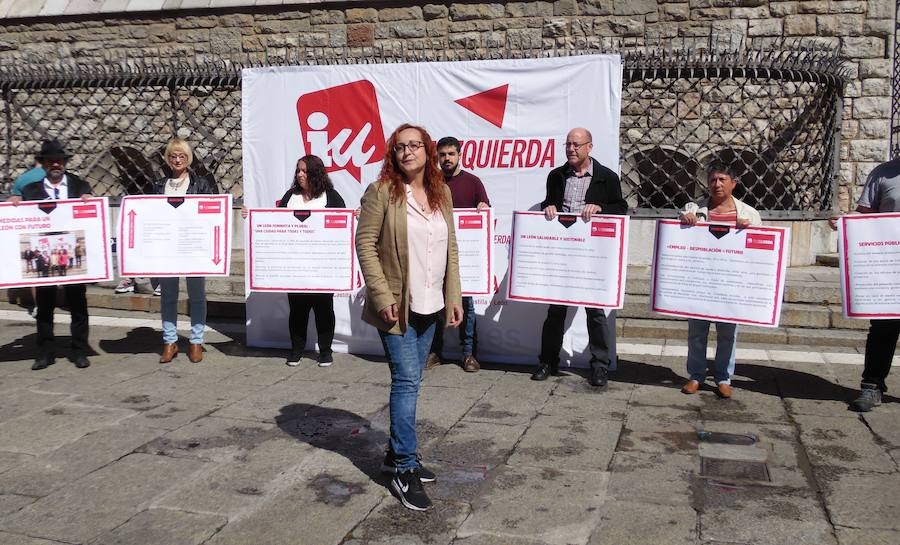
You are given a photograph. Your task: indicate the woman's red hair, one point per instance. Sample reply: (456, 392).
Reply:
(433, 178)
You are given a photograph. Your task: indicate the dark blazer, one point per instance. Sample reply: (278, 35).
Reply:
(76, 188)
(604, 190)
(333, 199)
(199, 185)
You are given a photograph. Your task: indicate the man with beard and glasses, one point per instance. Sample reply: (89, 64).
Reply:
(59, 184)
(467, 192)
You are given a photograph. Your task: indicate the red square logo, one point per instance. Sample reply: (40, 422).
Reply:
(603, 229)
(80, 211)
(760, 241)
(342, 126)
(336, 222)
(209, 207)
(471, 222)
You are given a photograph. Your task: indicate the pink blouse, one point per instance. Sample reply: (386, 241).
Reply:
(427, 238)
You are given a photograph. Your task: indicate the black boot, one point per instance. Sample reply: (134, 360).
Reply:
(544, 370)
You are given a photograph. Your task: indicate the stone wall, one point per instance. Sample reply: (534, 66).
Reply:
(862, 29)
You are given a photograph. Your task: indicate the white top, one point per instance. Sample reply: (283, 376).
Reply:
(62, 188)
(427, 237)
(297, 202)
(177, 186)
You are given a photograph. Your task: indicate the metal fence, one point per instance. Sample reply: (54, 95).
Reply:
(772, 114)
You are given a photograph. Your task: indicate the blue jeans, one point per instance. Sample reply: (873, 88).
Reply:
(406, 355)
(196, 288)
(726, 346)
(468, 335)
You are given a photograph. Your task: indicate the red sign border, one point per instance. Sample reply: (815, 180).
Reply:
(845, 288)
(489, 221)
(619, 279)
(779, 291)
(249, 251)
(123, 213)
(104, 207)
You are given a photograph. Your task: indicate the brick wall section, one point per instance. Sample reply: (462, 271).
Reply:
(863, 29)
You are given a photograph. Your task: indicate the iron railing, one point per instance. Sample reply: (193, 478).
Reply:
(772, 113)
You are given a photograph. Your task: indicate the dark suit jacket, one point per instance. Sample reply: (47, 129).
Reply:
(199, 185)
(76, 188)
(333, 199)
(604, 190)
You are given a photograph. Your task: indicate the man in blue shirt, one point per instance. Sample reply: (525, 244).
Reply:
(34, 174)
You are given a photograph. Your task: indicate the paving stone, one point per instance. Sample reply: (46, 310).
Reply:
(390, 524)
(628, 522)
(10, 503)
(857, 536)
(476, 444)
(499, 539)
(451, 375)
(19, 539)
(760, 515)
(170, 416)
(652, 478)
(20, 402)
(883, 422)
(655, 418)
(583, 443)
(101, 501)
(41, 475)
(333, 502)
(213, 438)
(601, 406)
(663, 442)
(40, 432)
(503, 409)
(512, 498)
(864, 500)
(843, 442)
(272, 402)
(744, 406)
(10, 460)
(163, 527)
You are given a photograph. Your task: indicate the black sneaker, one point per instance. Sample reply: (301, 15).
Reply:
(390, 466)
(294, 359)
(408, 487)
(869, 398)
(325, 359)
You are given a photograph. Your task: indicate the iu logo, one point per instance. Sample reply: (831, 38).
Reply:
(342, 126)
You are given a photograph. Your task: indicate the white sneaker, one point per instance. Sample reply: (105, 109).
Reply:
(125, 286)
(158, 291)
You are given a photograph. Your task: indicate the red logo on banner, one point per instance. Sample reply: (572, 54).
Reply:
(759, 241)
(489, 105)
(84, 211)
(342, 125)
(335, 222)
(209, 207)
(603, 229)
(470, 222)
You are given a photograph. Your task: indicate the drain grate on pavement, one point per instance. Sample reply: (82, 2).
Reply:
(734, 470)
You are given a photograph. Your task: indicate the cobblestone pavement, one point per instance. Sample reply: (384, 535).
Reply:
(241, 449)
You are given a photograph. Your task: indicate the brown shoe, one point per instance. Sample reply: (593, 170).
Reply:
(169, 352)
(470, 364)
(195, 353)
(433, 361)
(723, 390)
(691, 387)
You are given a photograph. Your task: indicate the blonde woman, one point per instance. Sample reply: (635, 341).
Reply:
(182, 181)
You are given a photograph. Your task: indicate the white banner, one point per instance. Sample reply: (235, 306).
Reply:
(568, 261)
(473, 236)
(164, 236)
(48, 243)
(869, 248)
(512, 117)
(300, 250)
(719, 273)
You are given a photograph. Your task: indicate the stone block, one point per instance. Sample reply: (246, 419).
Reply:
(872, 108)
(412, 13)
(839, 25)
(869, 150)
(518, 491)
(361, 15)
(674, 12)
(556, 27)
(103, 500)
(587, 445)
(817, 6)
(765, 27)
(360, 35)
(530, 9)
(633, 7)
(407, 29)
(163, 526)
(780, 9)
(879, 27)
(565, 8)
(236, 20)
(327, 17)
(842, 442)
(758, 12)
(652, 478)
(863, 46)
(466, 12)
(618, 26)
(632, 523)
(874, 128)
(874, 68)
(881, 9)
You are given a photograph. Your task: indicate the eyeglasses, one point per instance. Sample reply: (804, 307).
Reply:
(177, 157)
(576, 146)
(412, 146)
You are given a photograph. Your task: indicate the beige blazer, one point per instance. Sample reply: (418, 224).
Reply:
(383, 252)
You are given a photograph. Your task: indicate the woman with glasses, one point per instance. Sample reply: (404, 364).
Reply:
(182, 181)
(408, 255)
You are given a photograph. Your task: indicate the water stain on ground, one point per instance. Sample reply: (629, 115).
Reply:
(332, 490)
(136, 399)
(437, 525)
(835, 452)
(672, 442)
(484, 410)
(55, 411)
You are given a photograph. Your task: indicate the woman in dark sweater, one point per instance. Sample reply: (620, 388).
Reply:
(311, 190)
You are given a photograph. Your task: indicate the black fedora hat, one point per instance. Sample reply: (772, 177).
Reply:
(52, 149)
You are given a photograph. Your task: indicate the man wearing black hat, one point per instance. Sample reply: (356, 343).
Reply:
(57, 185)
